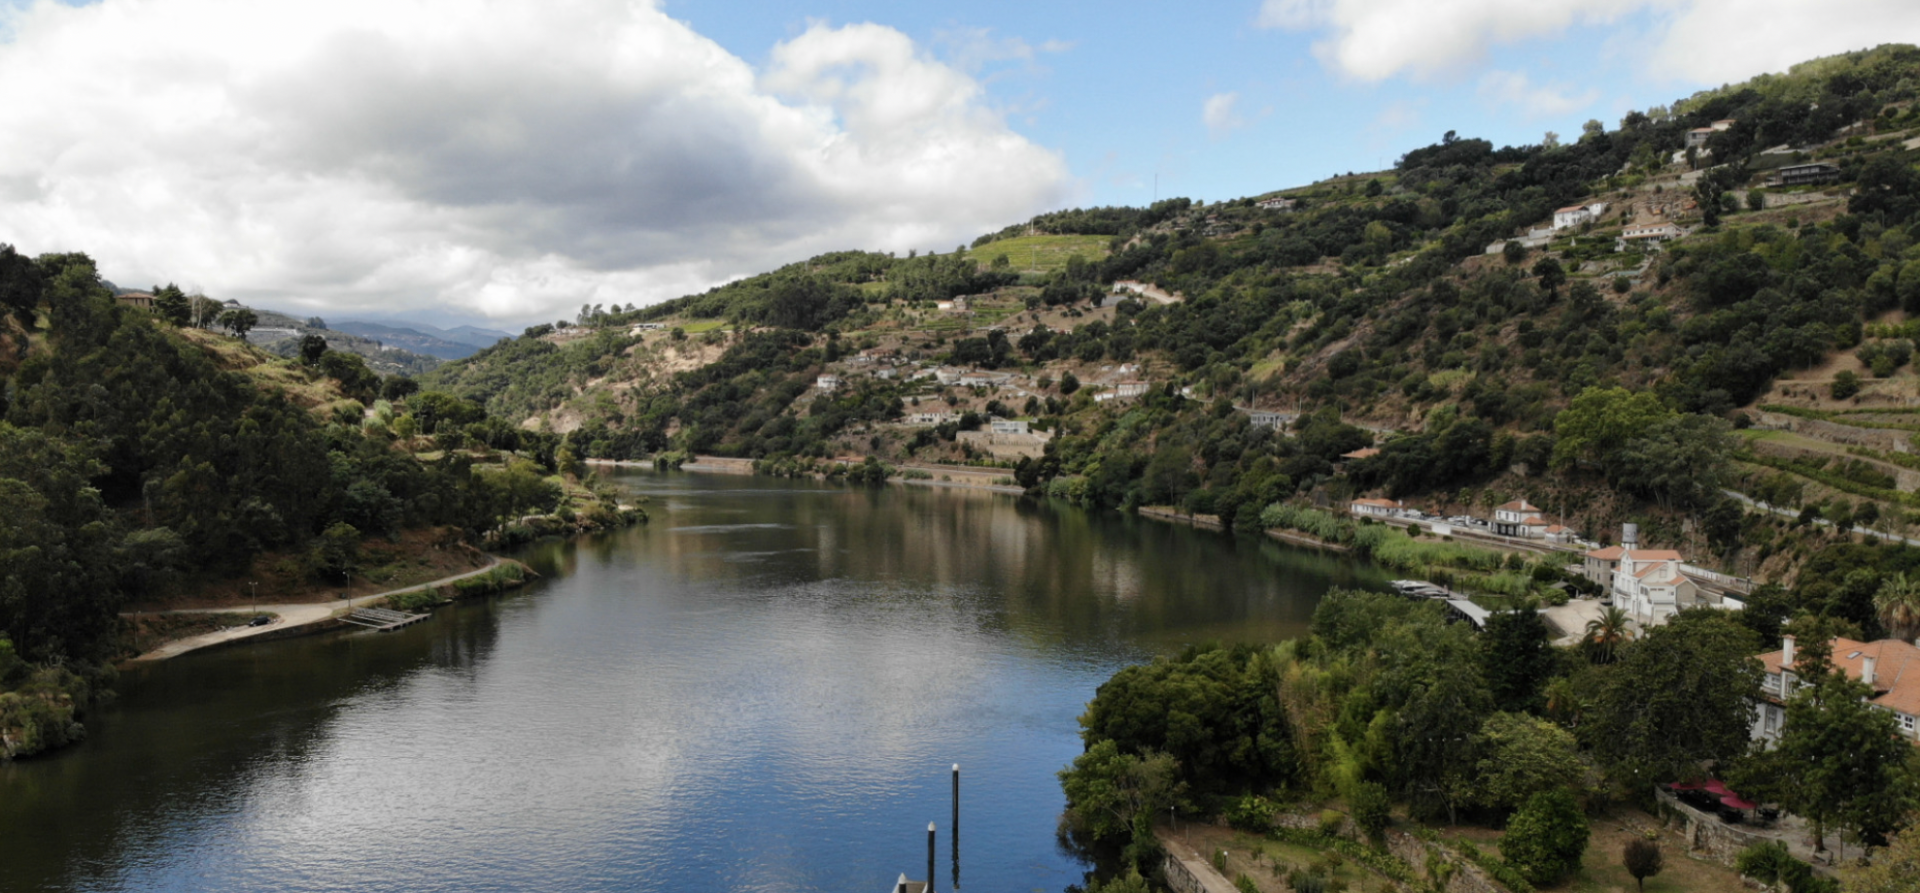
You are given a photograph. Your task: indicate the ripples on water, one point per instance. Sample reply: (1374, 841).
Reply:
(761, 690)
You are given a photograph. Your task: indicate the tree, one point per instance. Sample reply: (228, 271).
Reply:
(1546, 838)
(1517, 658)
(1522, 756)
(1607, 633)
(1846, 383)
(335, 554)
(1114, 796)
(1596, 424)
(1893, 868)
(1591, 129)
(1551, 274)
(1069, 383)
(1898, 604)
(1642, 859)
(1513, 253)
(311, 348)
(171, 304)
(1840, 760)
(22, 284)
(1680, 461)
(238, 320)
(1682, 695)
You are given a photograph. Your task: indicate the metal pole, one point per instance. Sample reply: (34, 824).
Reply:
(930, 840)
(955, 832)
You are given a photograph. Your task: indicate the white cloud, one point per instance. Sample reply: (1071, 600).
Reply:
(1219, 115)
(1376, 39)
(379, 154)
(1721, 41)
(1514, 90)
(1705, 41)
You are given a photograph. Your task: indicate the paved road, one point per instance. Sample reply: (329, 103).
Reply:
(291, 617)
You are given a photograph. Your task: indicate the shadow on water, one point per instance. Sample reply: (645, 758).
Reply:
(761, 689)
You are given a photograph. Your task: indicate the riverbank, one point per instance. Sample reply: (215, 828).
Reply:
(301, 619)
(916, 474)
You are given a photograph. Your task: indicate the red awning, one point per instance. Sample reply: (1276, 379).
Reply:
(1685, 786)
(1734, 801)
(1716, 786)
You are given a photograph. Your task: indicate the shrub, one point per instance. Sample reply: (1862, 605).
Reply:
(1642, 860)
(1370, 806)
(1252, 814)
(1331, 822)
(1546, 837)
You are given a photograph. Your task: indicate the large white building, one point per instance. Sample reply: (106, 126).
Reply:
(1891, 667)
(1646, 583)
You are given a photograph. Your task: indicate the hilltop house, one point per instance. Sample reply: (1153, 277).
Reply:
(1129, 389)
(140, 299)
(1008, 426)
(1275, 204)
(1519, 518)
(957, 305)
(1891, 667)
(827, 382)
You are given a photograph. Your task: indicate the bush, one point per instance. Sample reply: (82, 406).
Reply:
(1252, 814)
(1546, 837)
(1642, 859)
(1370, 806)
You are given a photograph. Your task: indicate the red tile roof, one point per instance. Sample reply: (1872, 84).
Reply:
(1896, 670)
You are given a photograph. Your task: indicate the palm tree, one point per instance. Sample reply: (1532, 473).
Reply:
(1898, 603)
(1608, 632)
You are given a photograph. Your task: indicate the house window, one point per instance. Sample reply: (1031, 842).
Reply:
(1773, 682)
(1906, 724)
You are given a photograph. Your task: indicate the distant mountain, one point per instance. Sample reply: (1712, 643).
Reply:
(447, 344)
(473, 335)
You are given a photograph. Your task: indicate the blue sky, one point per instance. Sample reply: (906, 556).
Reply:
(511, 161)
(1123, 96)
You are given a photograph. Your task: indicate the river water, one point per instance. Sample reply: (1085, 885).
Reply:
(762, 689)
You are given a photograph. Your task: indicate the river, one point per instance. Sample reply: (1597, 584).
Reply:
(762, 689)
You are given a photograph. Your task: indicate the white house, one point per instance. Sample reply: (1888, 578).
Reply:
(1128, 389)
(1891, 667)
(1007, 426)
(1275, 204)
(1261, 418)
(1649, 236)
(827, 382)
(1698, 136)
(1574, 215)
(1375, 508)
(957, 305)
(1519, 518)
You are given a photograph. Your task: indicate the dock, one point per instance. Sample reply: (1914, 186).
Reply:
(382, 619)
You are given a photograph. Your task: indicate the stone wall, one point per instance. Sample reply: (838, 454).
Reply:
(1703, 834)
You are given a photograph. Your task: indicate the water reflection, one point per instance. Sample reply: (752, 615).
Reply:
(762, 689)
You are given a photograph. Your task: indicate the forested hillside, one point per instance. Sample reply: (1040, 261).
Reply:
(1430, 301)
(137, 457)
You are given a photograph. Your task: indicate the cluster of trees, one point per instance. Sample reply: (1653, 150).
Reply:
(1388, 700)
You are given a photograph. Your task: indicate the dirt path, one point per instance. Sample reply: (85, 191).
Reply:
(290, 617)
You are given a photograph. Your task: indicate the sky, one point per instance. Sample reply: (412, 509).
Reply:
(503, 162)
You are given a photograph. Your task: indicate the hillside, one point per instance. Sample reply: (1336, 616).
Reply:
(1435, 308)
(445, 344)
